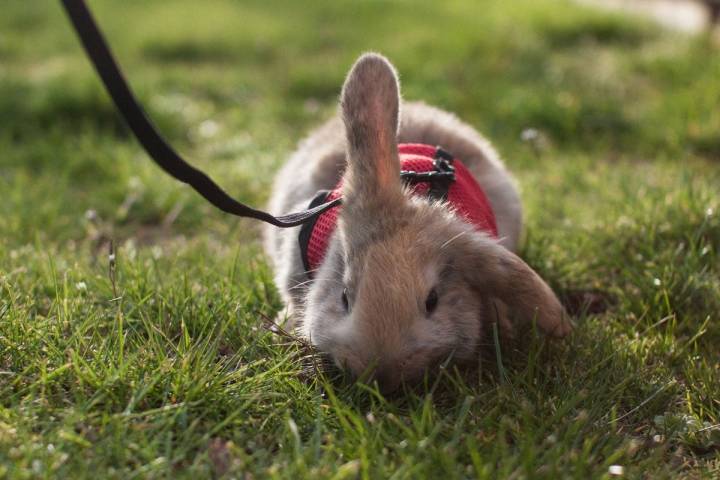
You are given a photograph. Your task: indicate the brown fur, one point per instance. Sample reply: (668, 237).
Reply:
(391, 249)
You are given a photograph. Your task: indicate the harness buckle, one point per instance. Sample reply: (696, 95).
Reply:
(439, 179)
(446, 174)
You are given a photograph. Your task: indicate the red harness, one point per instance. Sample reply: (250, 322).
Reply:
(433, 173)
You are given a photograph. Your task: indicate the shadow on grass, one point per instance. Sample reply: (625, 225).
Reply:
(604, 29)
(202, 51)
(67, 104)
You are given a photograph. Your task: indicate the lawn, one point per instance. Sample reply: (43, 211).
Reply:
(157, 365)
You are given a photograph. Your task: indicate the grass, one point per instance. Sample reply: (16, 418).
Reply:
(158, 365)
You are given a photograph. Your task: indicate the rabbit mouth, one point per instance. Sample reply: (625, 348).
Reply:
(392, 373)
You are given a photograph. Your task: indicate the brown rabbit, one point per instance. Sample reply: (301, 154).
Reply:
(406, 281)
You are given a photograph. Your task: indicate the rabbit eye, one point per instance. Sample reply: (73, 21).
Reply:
(346, 304)
(431, 301)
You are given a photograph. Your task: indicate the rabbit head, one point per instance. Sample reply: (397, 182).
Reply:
(405, 283)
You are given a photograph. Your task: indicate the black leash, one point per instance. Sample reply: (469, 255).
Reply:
(146, 133)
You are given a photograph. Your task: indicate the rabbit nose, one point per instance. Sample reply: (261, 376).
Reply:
(388, 379)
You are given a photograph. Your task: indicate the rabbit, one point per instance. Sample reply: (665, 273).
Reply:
(405, 282)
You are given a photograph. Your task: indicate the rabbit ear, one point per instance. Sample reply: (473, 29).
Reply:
(370, 104)
(496, 271)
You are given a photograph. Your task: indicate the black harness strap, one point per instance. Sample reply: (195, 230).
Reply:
(307, 229)
(146, 133)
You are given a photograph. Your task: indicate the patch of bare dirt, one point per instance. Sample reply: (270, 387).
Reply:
(683, 15)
